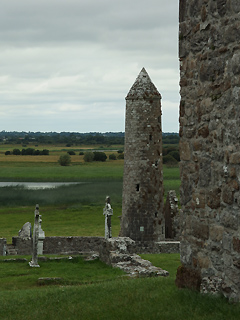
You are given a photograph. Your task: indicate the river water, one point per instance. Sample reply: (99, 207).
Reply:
(37, 185)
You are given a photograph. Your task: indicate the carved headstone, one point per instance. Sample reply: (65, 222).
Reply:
(26, 230)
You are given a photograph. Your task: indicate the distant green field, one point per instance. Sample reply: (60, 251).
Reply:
(54, 172)
(78, 206)
(59, 220)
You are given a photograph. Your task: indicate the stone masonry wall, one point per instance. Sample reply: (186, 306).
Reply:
(173, 217)
(53, 245)
(22, 245)
(75, 245)
(209, 51)
(142, 209)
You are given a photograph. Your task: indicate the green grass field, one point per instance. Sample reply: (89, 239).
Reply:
(87, 290)
(81, 204)
(92, 290)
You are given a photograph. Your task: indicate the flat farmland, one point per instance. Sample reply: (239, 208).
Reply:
(55, 151)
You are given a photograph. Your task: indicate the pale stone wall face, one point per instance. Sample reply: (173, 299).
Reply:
(209, 50)
(3, 245)
(142, 210)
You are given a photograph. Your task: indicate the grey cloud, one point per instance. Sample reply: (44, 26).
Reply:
(60, 58)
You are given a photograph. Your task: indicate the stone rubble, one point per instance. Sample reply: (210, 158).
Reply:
(115, 252)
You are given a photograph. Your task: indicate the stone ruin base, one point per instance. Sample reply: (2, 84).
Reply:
(76, 245)
(118, 252)
(115, 252)
(214, 285)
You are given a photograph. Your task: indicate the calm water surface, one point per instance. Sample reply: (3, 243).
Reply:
(37, 185)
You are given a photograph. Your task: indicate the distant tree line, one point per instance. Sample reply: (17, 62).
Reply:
(89, 156)
(73, 138)
(170, 154)
(67, 138)
(28, 152)
(101, 156)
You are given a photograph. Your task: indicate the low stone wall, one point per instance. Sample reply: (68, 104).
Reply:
(155, 247)
(22, 245)
(3, 246)
(53, 245)
(75, 245)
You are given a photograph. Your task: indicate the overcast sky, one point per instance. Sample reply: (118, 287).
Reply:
(67, 65)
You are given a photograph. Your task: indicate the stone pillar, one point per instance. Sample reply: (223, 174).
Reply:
(209, 54)
(173, 217)
(41, 237)
(108, 212)
(34, 262)
(142, 208)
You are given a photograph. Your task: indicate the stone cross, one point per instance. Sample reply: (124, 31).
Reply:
(34, 262)
(108, 212)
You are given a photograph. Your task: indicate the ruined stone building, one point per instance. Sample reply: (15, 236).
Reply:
(209, 51)
(142, 209)
(173, 217)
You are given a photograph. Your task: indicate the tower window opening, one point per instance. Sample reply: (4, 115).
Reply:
(137, 187)
(156, 214)
(150, 137)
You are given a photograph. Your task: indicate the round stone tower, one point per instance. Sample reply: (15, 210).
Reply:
(142, 208)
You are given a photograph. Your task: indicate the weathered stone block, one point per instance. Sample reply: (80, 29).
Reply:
(227, 194)
(236, 263)
(236, 244)
(216, 232)
(203, 261)
(205, 172)
(234, 158)
(188, 278)
(199, 200)
(203, 131)
(222, 7)
(214, 198)
(203, 13)
(185, 152)
(236, 5)
(200, 230)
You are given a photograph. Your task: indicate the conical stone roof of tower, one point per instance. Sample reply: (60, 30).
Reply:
(143, 88)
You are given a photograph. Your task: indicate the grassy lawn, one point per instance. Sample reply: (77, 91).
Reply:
(75, 271)
(82, 220)
(92, 290)
(31, 171)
